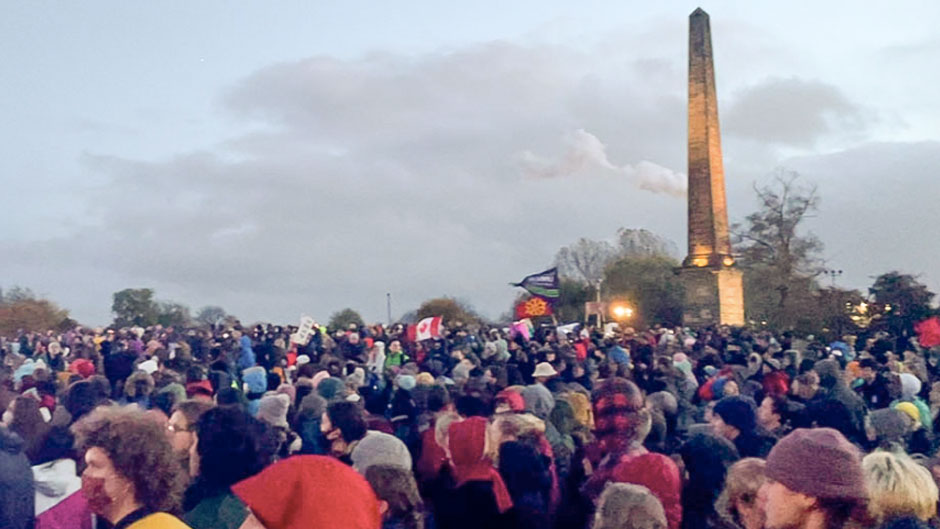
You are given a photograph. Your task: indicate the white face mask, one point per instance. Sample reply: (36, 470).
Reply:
(7, 417)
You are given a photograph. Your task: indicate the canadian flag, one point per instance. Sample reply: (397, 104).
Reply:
(428, 328)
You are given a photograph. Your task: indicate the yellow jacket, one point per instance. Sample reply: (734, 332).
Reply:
(159, 520)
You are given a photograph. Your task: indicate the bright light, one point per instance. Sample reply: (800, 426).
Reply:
(621, 312)
(728, 261)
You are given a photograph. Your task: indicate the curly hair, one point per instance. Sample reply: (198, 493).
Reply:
(140, 452)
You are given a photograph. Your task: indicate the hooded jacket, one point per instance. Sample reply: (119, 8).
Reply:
(58, 501)
(17, 500)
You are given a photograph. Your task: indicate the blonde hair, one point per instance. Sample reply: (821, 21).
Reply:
(441, 426)
(741, 485)
(628, 506)
(898, 486)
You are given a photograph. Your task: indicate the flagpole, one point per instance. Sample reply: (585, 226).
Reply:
(388, 306)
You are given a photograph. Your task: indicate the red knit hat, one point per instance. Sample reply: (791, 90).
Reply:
(818, 462)
(310, 491)
(82, 367)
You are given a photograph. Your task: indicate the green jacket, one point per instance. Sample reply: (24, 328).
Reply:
(222, 511)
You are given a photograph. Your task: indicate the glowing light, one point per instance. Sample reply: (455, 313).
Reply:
(700, 261)
(727, 261)
(621, 312)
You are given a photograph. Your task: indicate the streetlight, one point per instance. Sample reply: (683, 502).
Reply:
(833, 274)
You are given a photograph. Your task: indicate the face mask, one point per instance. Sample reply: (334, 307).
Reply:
(7, 417)
(93, 490)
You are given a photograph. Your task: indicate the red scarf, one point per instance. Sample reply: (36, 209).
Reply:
(467, 443)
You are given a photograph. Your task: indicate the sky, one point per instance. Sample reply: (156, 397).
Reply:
(288, 158)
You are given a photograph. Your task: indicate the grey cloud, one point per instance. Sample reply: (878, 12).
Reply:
(793, 112)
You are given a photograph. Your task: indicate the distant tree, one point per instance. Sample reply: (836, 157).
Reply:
(585, 260)
(17, 293)
(453, 311)
(135, 306)
(644, 243)
(342, 319)
(211, 315)
(780, 262)
(650, 285)
(173, 314)
(31, 315)
(898, 302)
(572, 295)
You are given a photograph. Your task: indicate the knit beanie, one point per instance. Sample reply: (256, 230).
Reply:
(910, 386)
(320, 377)
(738, 412)
(424, 379)
(273, 409)
(910, 409)
(344, 498)
(379, 448)
(330, 388)
(889, 425)
(406, 382)
(617, 404)
(256, 378)
(818, 462)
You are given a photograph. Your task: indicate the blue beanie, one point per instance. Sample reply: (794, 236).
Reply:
(256, 378)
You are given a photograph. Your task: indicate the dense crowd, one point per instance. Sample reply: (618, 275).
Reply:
(553, 427)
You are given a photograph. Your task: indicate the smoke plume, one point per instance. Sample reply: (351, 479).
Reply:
(586, 153)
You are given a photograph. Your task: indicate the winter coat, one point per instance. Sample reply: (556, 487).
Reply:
(17, 499)
(222, 510)
(59, 504)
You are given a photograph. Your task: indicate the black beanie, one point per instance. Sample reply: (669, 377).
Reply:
(737, 411)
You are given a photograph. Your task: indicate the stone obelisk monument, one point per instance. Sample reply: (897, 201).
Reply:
(713, 286)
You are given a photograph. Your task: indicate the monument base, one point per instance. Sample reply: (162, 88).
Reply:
(712, 296)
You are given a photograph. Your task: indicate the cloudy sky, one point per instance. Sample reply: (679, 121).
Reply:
(279, 158)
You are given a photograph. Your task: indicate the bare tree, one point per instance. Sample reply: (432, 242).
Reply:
(585, 260)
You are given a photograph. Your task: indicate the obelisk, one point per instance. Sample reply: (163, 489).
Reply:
(713, 287)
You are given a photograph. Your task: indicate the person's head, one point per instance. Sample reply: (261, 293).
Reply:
(379, 448)
(771, 412)
(130, 463)
(868, 369)
(707, 458)
(733, 416)
(398, 495)
(739, 497)
(182, 423)
(898, 486)
(813, 476)
(230, 446)
(309, 491)
(395, 346)
(620, 416)
(628, 506)
(344, 420)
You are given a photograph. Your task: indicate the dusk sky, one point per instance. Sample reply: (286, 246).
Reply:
(288, 158)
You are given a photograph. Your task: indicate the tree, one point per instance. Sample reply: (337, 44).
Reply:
(650, 285)
(211, 315)
(780, 263)
(898, 302)
(572, 295)
(644, 243)
(31, 315)
(342, 319)
(173, 314)
(585, 260)
(453, 311)
(135, 306)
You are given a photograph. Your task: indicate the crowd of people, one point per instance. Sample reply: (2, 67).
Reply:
(555, 427)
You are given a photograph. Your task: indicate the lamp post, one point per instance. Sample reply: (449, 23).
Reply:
(833, 274)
